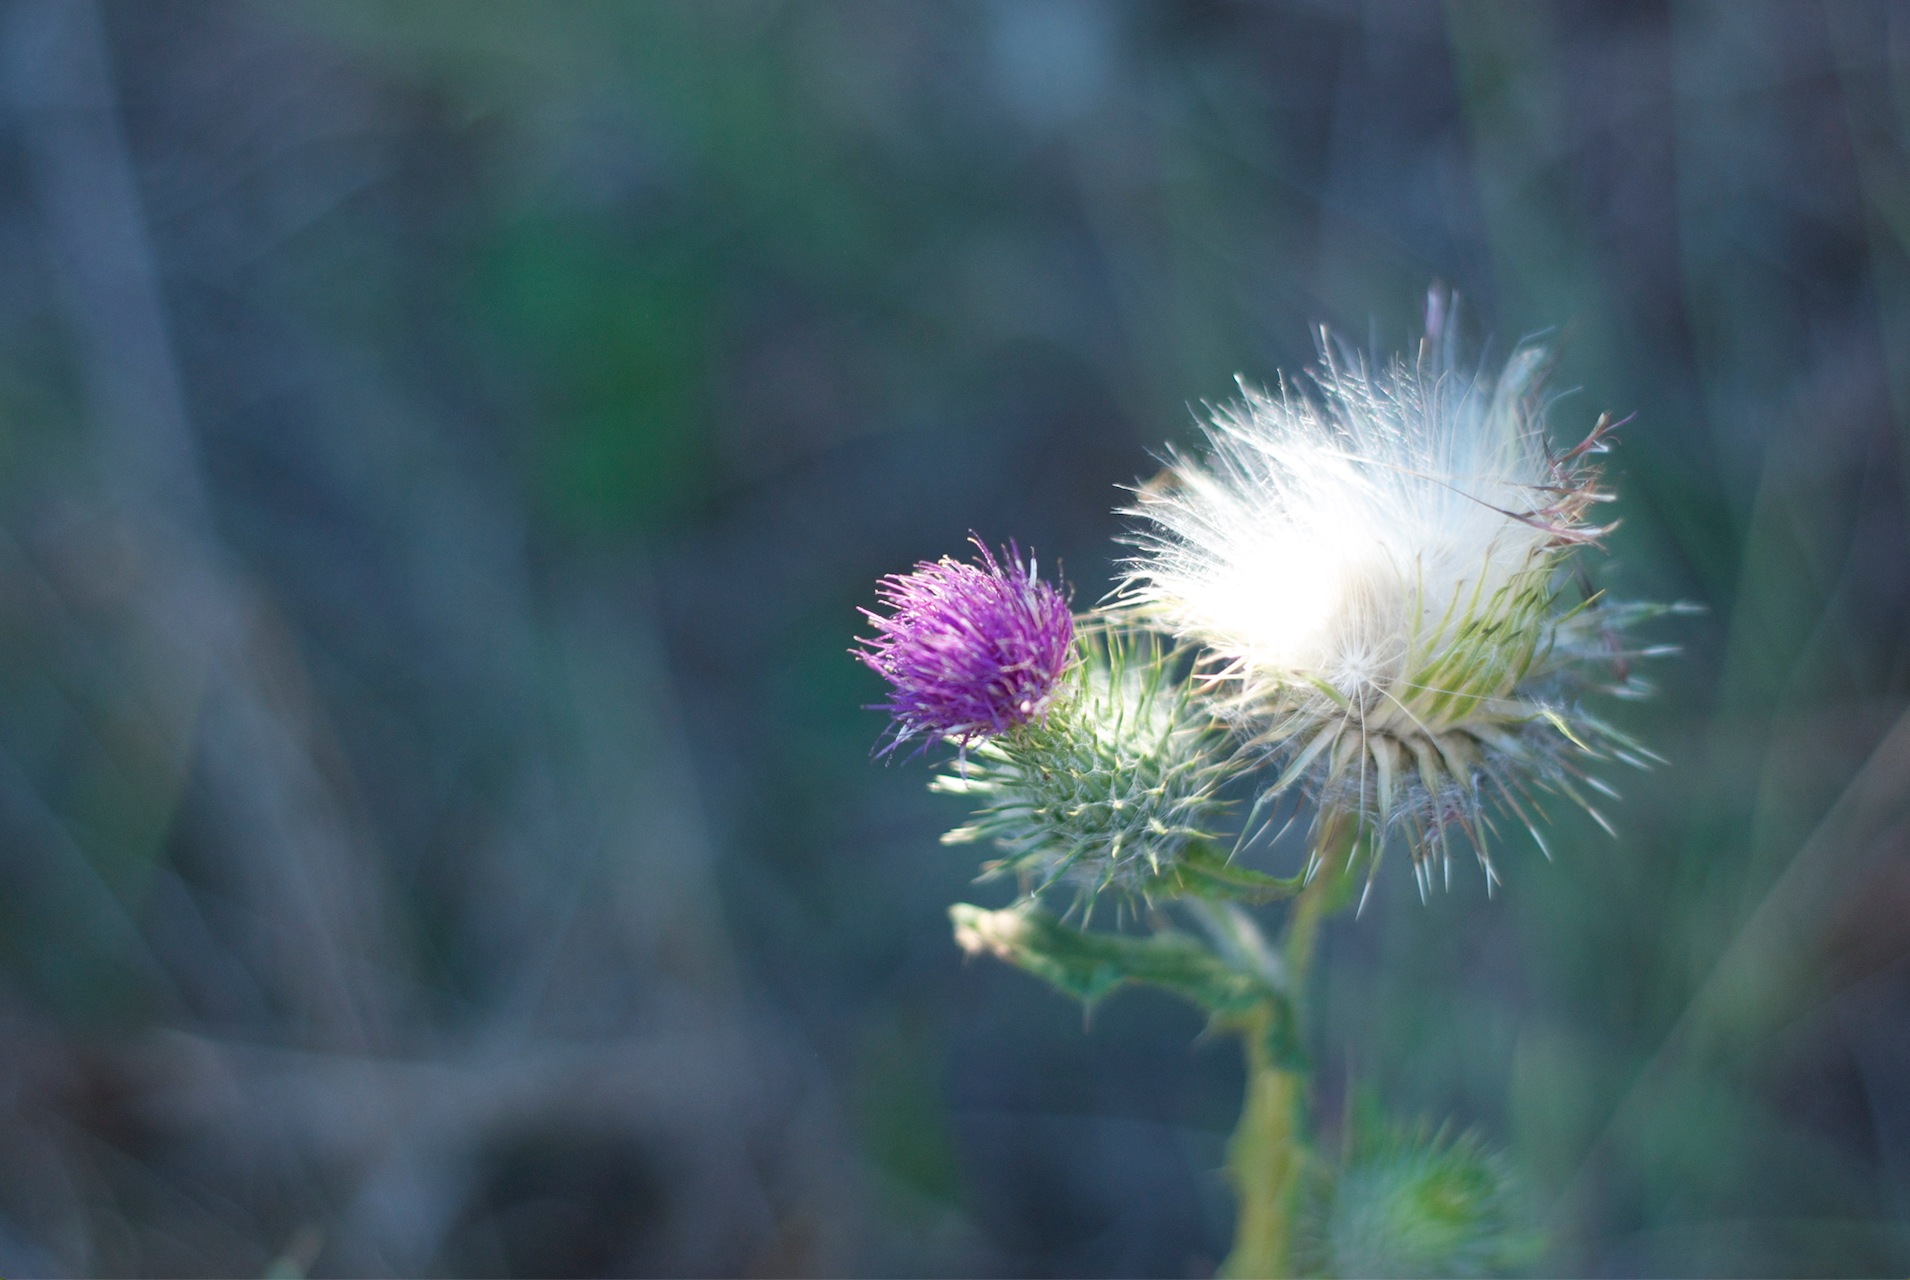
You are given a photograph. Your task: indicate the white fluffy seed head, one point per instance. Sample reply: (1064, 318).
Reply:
(1373, 569)
(1324, 538)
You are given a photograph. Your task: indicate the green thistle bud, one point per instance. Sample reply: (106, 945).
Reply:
(1113, 787)
(1422, 1203)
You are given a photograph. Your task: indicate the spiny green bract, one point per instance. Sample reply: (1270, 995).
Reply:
(1112, 786)
(1490, 714)
(1416, 1202)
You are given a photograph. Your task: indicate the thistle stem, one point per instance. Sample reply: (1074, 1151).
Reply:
(1267, 1155)
(1266, 1161)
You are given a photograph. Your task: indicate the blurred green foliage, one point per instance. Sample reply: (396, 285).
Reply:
(617, 342)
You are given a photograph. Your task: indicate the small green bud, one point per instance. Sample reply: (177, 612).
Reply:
(1420, 1203)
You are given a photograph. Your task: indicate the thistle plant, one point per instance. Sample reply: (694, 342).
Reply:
(1359, 601)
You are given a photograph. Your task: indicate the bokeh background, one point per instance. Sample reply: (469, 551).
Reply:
(443, 447)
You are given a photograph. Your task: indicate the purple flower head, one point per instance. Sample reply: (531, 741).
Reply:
(972, 649)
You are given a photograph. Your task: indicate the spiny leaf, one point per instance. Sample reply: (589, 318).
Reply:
(1203, 873)
(1091, 966)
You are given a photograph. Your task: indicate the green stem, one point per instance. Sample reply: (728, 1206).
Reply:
(1267, 1156)
(1266, 1161)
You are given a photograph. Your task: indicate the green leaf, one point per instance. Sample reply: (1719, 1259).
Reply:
(1090, 966)
(1203, 872)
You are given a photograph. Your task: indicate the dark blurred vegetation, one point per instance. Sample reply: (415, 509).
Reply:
(443, 446)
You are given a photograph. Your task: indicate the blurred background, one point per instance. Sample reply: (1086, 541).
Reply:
(443, 447)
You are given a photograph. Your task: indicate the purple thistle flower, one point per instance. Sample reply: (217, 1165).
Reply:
(973, 650)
